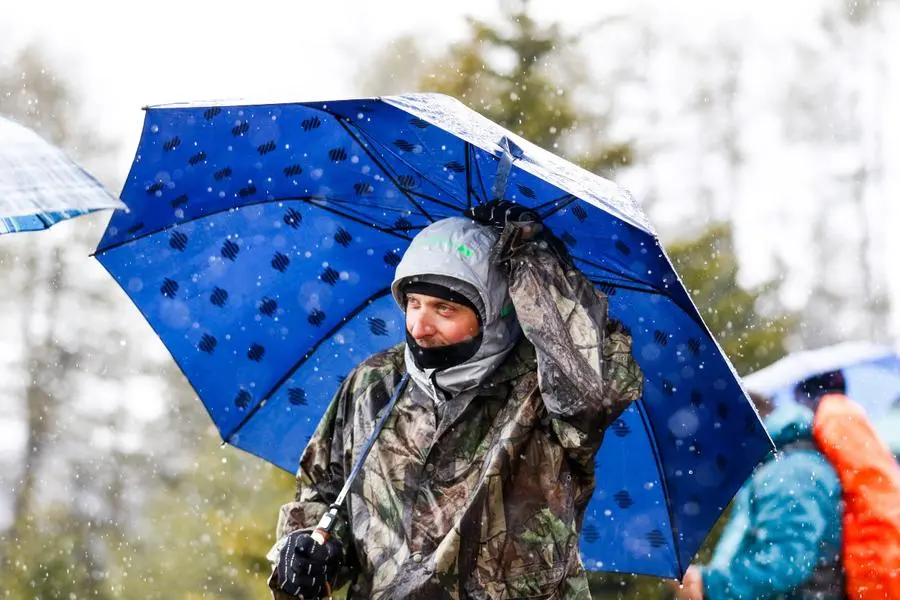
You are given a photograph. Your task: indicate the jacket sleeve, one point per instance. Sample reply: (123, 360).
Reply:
(795, 500)
(586, 372)
(319, 480)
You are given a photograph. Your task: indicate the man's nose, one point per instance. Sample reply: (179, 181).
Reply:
(421, 326)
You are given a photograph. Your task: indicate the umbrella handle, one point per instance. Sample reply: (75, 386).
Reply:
(326, 525)
(322, 534)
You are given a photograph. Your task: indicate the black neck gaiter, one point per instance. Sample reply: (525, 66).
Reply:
(443, 357)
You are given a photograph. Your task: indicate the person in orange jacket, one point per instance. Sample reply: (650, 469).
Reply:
(789, 544)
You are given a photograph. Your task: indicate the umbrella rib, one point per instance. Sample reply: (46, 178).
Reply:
(433, 199)
(384, 169)
(374, 141)
(287, 375)
(308, 199)
(628, 278)
(47, 223)
(352, 206)
(565, 199)
(361, 219)
(408, 192)
(352, 215)
(648, 426)
(632, 288)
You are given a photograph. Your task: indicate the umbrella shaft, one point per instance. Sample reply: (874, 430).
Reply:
(327, 522)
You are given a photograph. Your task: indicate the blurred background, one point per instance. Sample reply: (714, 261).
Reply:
(758, 136)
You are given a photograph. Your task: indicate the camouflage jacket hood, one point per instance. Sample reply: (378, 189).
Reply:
(459, 250)
(481, 496)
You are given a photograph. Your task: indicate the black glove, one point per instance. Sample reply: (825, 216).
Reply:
(304, 567)
(497, 213)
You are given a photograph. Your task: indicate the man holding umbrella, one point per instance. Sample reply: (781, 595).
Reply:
(477, 483)
(261, 245)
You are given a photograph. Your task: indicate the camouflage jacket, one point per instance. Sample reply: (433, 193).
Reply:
(481, 495)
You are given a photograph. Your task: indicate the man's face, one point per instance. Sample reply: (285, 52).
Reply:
(434, 322)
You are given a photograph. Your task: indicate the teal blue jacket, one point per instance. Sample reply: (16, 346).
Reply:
(784, 536)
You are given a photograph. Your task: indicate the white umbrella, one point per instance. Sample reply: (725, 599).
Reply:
(40, 185)
(871, 371)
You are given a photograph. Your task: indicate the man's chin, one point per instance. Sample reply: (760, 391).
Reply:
(430, 344)
(441, 344)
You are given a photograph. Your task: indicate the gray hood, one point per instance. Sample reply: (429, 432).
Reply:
(457, 249)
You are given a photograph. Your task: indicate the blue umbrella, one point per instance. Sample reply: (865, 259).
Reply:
(871, 373)
(40, 185)
(262, 240)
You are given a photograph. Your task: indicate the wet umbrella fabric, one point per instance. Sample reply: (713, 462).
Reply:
(41, 186)
(871, 373)
(261, 244)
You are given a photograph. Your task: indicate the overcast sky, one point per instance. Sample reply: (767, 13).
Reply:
(129, 55)
(132, 54)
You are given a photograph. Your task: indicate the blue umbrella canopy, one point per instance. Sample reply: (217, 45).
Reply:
(41, 186)
(261, 244)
